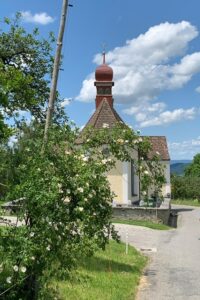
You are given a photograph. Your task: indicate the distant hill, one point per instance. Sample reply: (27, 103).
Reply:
(184, 161)
(178, 166)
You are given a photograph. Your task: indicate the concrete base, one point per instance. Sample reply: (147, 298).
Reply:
(161, 213)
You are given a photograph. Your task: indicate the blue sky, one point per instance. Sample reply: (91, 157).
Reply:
(154, 49)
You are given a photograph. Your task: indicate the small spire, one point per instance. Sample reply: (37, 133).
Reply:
(104, 53)
(104, 57)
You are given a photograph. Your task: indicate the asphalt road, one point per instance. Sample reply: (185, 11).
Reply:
(174, 268)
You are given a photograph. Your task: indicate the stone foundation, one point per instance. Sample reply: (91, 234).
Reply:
(144, 213)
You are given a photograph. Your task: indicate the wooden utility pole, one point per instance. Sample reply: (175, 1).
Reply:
(55, 71)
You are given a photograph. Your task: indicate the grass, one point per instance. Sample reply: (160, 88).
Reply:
(144, 223)
(109, 275)
(189, 202)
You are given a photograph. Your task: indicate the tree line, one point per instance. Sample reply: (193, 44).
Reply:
(188, 185)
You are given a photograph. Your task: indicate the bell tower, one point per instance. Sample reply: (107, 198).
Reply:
(104, 83)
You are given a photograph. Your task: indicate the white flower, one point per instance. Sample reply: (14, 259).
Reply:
(8, 279)
(1, 268)
(85, 158)
(158, 153)
(68, 191)
(105, 125)
(32, 257)
(104, 161)
(94, 214)
(142, 158)
(16, 268)
(85, 199)
(48, 248)
(39, 169)
(80, 189)
(120, 141)
(23, 269)
(140, 139)
(67, 152)
(66, 200)
(146, 172)
(88, 140)
(141, 167)
(90, 195)
(51, 164)
(32, 234)
(87, 184)
(80, 208)
(56, 227)
(144, 193)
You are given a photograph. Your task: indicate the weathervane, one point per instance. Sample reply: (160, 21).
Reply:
(104, 52)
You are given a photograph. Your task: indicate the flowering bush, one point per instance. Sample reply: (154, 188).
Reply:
(67, 204)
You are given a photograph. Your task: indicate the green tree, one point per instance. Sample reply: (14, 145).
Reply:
(185, 187)
(194, 168)
(25, 71)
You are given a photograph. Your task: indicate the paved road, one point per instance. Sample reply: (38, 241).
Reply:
(174, 268)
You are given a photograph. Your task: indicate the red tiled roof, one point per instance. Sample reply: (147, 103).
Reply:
(104, 114)
(159, 144)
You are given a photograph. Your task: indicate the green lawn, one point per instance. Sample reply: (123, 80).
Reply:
(144, 223)
(190, 202)
(109, 275)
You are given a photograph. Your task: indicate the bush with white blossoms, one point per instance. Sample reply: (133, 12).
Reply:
(151, 173)
(67, 209)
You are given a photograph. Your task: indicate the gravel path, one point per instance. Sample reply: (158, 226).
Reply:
(174, 268)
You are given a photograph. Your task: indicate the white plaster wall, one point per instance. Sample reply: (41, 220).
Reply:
(115, 178)
(120, 181)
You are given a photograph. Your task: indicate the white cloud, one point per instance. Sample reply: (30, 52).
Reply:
(144, 66)
(150, 108)
(156, 114)
(184, 149)
(38, 18)
(197, 89)
(168, 117)
(66, 102)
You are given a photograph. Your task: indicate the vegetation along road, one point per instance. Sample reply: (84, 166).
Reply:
(173, 271)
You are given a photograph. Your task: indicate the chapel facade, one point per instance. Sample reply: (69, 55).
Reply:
(123, 180)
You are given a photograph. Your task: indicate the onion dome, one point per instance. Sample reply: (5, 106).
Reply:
(104, 72)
